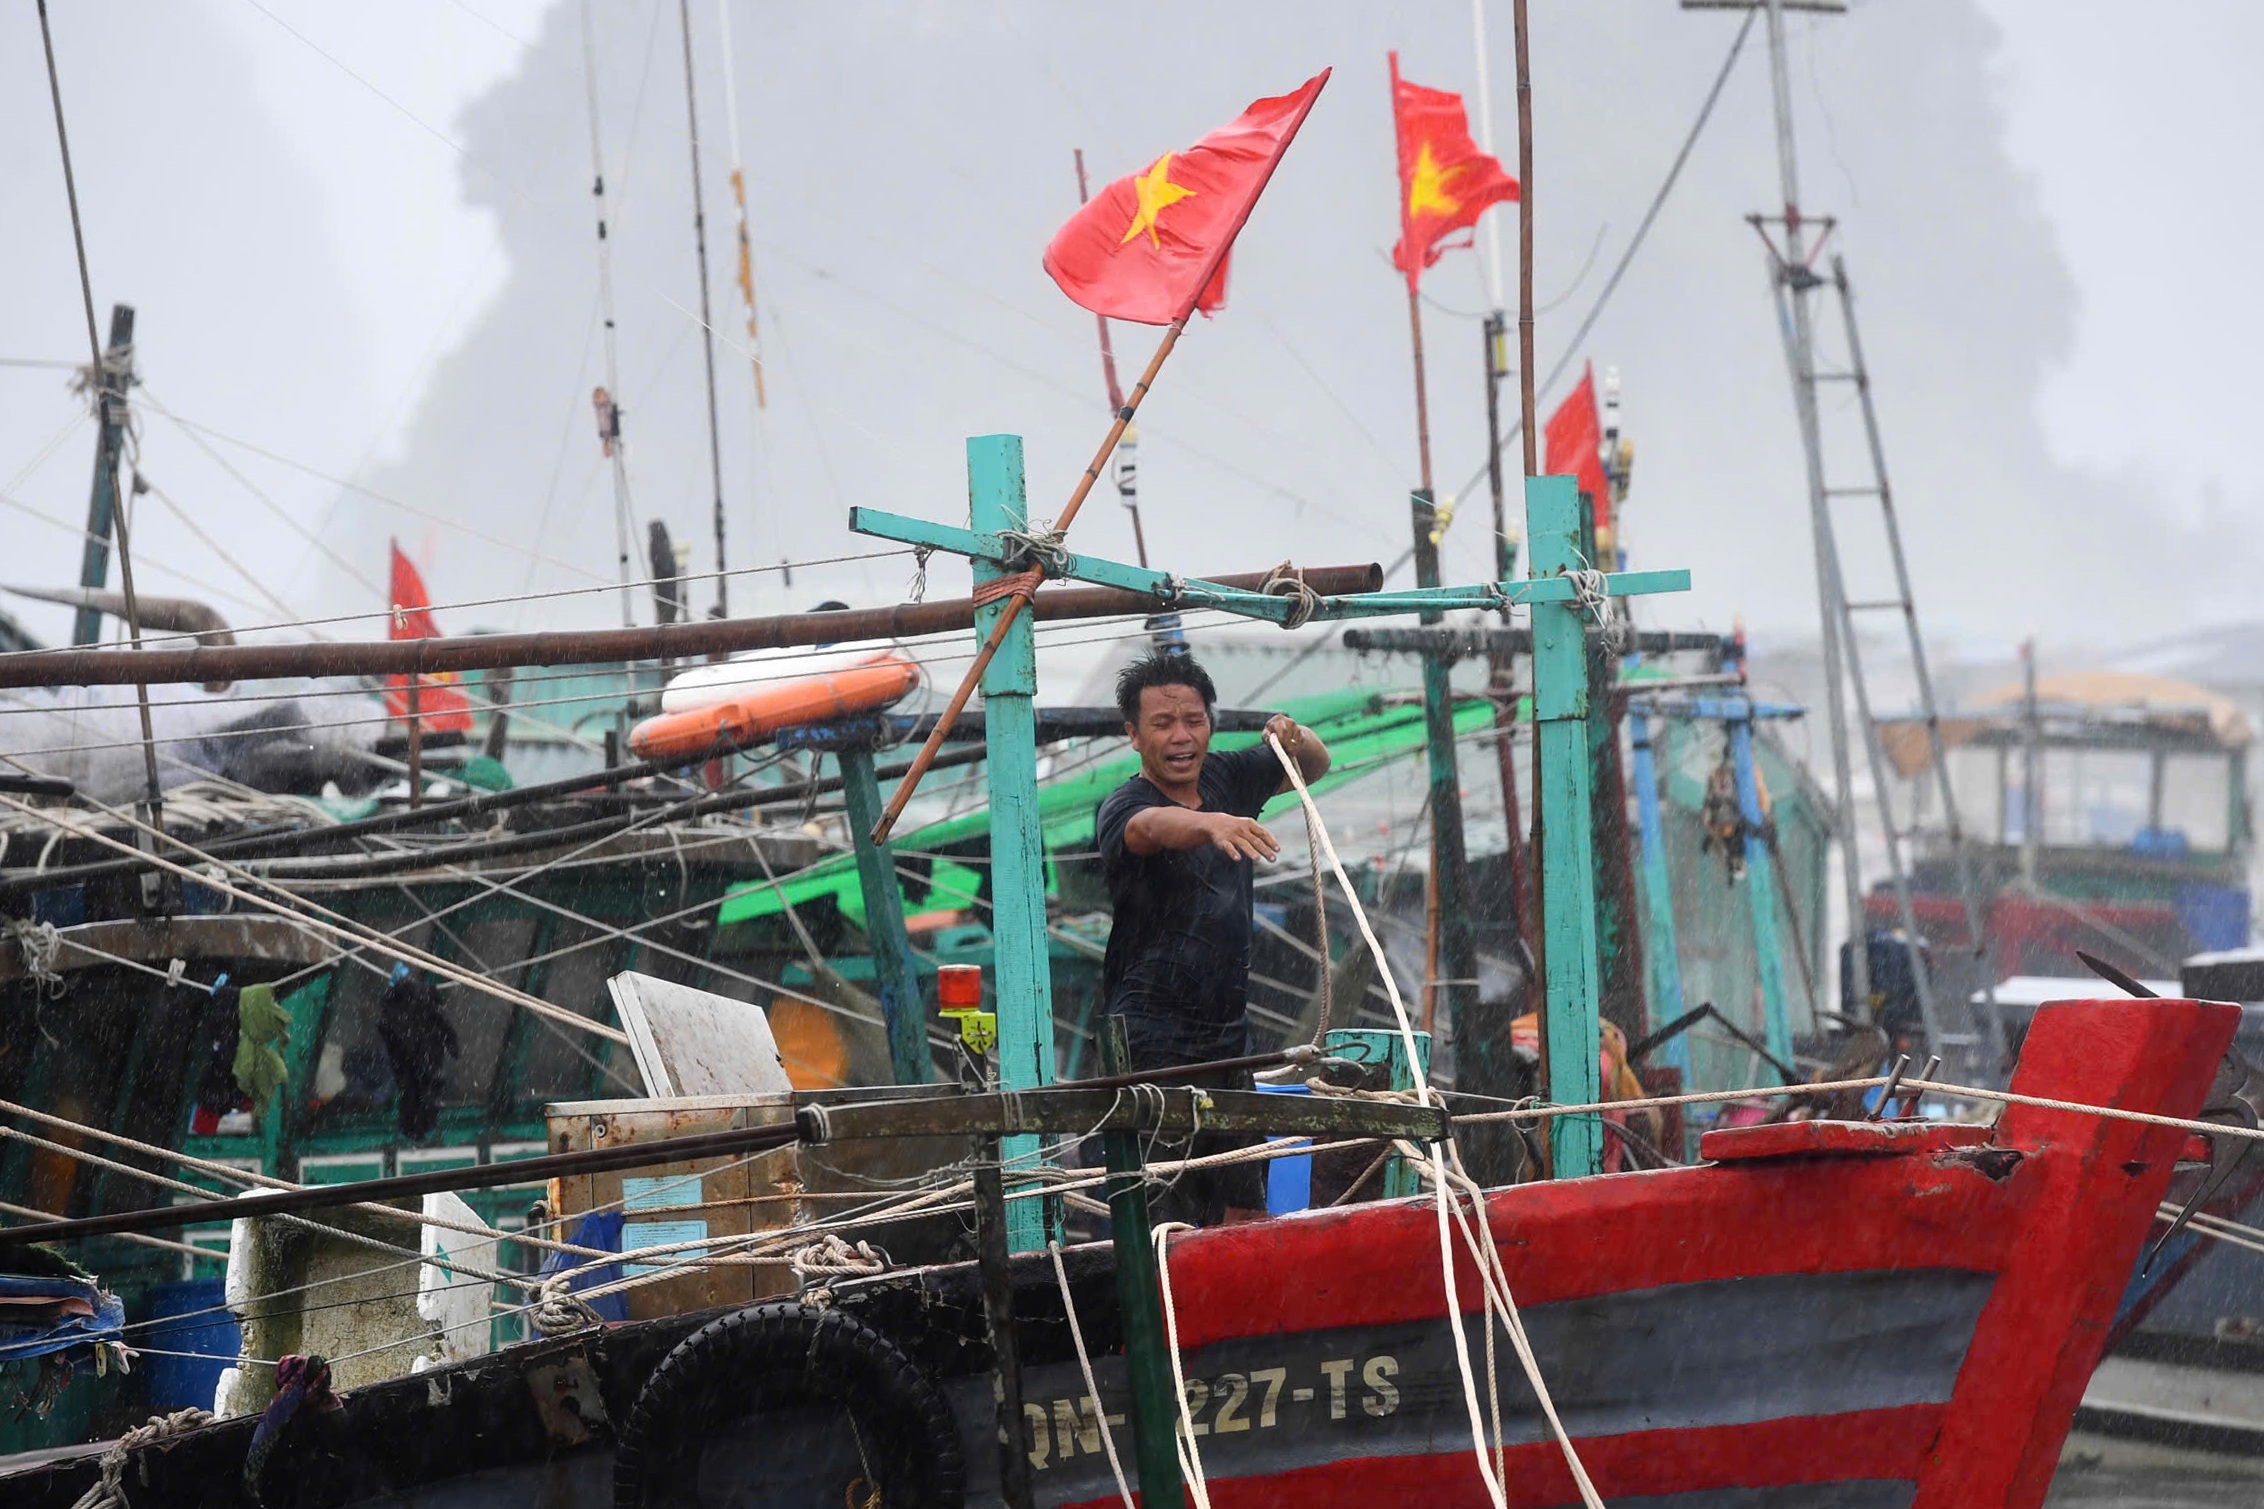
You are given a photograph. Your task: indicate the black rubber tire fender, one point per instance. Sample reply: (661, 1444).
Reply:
(786, 1353)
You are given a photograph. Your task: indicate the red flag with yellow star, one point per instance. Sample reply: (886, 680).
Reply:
(441, 704)
(1151, 247)
(1445, 182)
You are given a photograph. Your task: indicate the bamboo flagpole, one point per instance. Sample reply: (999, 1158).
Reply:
(1027, 584)
(1155, 193)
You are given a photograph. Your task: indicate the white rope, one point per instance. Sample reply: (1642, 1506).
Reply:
(559, 1311)
(39, 943)
(833, 1257)
(1085, 1366)
(1592, 596)
(1183, 1430)
(1285, 580)
(1424, 1095)
(109, 1491)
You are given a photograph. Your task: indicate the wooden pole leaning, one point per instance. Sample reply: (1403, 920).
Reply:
(1024, 589)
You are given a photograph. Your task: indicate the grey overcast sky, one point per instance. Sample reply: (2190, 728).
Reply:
(360, 241)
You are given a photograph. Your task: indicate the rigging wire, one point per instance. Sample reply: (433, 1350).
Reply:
(98, 388)
(83, 533)
(297, 908)
(197, 432)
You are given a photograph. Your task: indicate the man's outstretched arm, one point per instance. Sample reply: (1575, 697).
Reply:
(1155, 830)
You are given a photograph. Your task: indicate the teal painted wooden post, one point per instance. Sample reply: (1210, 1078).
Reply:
(902, 1006)
(1660, 949)
(1760, 886)
(1024, 983)
(1568, 859)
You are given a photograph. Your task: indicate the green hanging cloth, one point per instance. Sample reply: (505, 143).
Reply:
(263, 1027)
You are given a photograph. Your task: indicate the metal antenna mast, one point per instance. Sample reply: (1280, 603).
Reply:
(707, 322)
(1793, 280)
(609, 396)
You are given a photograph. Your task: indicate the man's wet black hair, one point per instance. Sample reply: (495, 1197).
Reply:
(1161, 668)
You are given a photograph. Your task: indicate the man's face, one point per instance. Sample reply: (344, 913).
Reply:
(1172, 735)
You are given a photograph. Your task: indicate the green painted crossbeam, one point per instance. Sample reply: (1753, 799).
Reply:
(1194, 592)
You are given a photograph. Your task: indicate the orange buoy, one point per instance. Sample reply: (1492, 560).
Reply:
(759, 711)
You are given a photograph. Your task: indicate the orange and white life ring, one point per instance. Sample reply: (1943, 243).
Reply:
(728, 709)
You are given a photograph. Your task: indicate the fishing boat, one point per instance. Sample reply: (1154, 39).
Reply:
(1895, 1312)
(1873, 1313)
(2105, 812)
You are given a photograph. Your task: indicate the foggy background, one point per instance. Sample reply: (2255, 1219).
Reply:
(361, 245)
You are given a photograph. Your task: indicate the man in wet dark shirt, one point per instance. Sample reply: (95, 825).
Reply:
(1178, 842)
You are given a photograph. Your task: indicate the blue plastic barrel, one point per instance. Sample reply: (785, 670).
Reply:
(187, 1317)
(1289, 1181)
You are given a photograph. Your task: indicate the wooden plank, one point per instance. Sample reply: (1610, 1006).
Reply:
(694, 1042)
(1067, 1111)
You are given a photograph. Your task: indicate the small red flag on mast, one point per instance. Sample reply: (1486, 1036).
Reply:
(441, 703)
(1445, 181)
(1575, 434)
(1152, 246)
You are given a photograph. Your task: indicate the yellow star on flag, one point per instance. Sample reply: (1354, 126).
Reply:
(1426, 187)
(1157, 192)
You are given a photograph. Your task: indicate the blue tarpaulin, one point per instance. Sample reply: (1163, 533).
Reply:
(40, 1314)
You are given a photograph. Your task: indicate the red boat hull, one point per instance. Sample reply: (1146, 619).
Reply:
(1826, 1314)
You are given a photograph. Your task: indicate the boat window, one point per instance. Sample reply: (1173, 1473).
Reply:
(2197, 799)
(351, 1073)
(2096, 797)
(1973, 779)
(563, 1064)
(495, 947)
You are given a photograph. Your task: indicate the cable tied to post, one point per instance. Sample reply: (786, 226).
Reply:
(917, 589)
(1285, 580)
(1591, 596)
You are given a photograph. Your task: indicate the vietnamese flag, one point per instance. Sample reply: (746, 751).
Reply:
(1575, 435)
(1152, 246)
(1445, 182)
(441, 703)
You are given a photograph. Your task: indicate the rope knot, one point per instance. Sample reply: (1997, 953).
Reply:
(39, 943)
(1592, 596)
(1040, 548)
(110, 1493)
(1285, 580)
(559, 1311)
(831, 1258)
